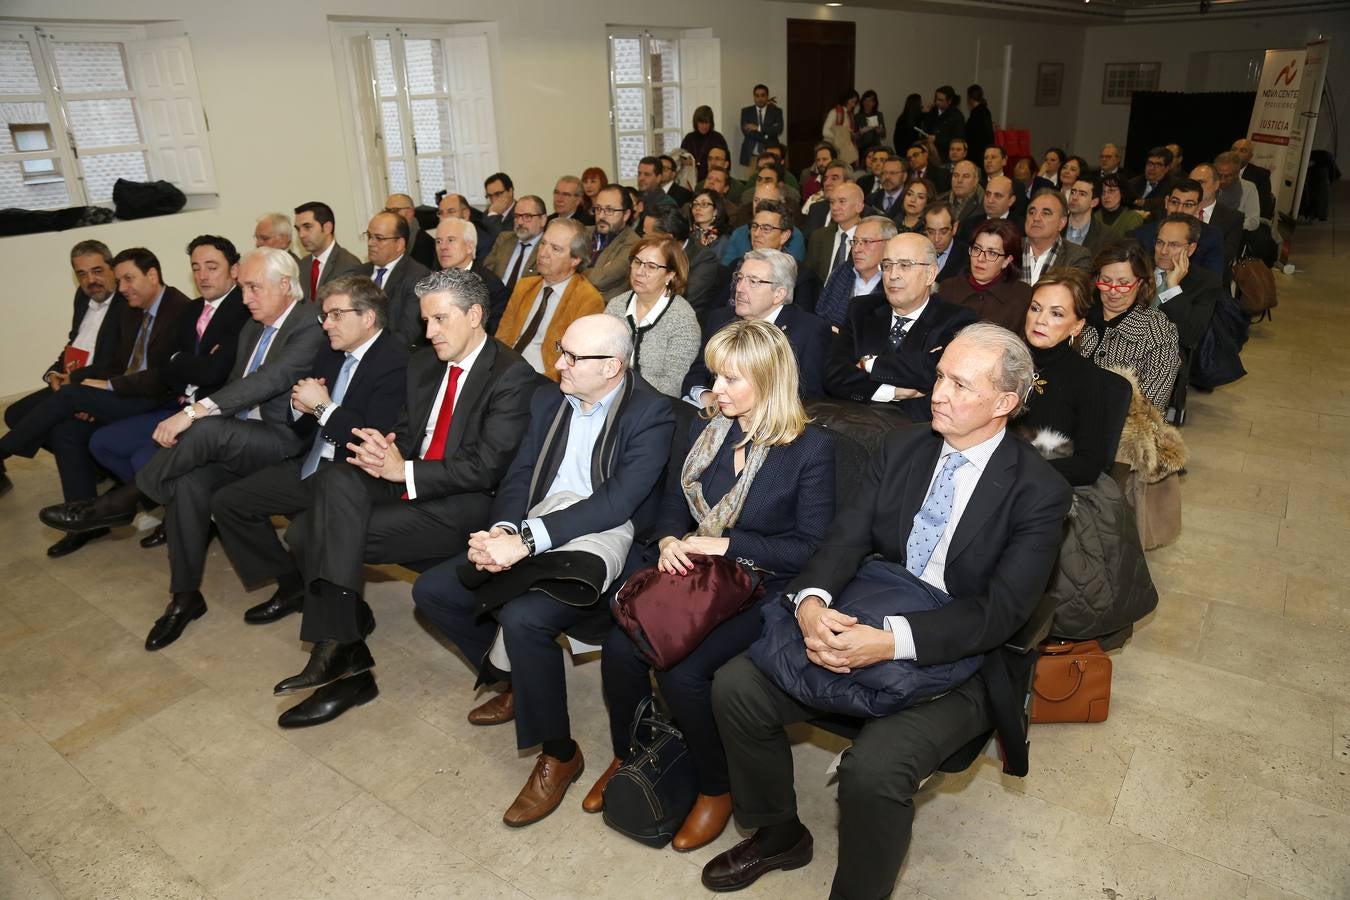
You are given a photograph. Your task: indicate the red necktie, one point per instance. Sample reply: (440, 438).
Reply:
(436, 449)
(314, 278)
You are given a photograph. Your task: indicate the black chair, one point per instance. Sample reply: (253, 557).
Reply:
(1118, 397)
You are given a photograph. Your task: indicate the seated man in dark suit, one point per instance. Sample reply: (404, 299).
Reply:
(966, 197)
(406, 495)
(1084, 228)
(1228, 220)
(126, 384)
(586, 477)
(395, 273)
(888, 348)
(972, 512)
(326, 259)
(421, 245)
(1000, 202)
(243, 426)
(952, 255)
(456, 206)
(672, 188)
(920, 166)
(1187, 294)
(1151, 188)
(567, 195)
(455, 249)
(763, 289)
(771, 229)
(93, 332)
(1185, 197)
(890, 188)
(612, 241)
(208, 338)
(516, 249)
(861, 275)
(366, 368)
(500, 215)
(1046, 248)
(1257, 175)
(827, 247)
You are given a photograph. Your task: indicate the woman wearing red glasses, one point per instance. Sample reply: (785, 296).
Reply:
(1122, 327)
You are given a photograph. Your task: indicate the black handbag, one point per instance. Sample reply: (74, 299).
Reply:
(649, 796)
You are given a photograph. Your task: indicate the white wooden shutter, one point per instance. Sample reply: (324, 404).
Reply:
(471, 114)
(178, 147)
(701, 77)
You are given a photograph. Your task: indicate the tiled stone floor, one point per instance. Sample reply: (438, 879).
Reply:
(1223, 771)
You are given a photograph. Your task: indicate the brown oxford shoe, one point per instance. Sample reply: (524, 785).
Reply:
(544, 790)
(705, 822)
(595, 797)
(742, 865)
(496, 711)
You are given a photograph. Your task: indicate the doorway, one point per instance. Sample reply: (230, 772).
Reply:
(819, 68)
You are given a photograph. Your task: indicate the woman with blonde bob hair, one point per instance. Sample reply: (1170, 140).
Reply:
(756, 485)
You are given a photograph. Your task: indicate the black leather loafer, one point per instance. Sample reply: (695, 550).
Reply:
(72, 542)
(741, 866)
(156, 538)
(329, 661)
(115, 508)
(182, 609)
(327, 703)
(278, 606)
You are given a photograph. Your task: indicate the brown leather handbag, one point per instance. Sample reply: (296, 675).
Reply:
(1072, 683)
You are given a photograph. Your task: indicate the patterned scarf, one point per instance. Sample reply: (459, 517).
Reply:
(714, 520)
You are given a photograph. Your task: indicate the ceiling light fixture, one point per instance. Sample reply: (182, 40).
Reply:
(834, 4)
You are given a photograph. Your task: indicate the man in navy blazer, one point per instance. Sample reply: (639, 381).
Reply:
(971, 511)
(1186, 197)
(761, 125)
(763, 289)
(888, 348)
(589, 468)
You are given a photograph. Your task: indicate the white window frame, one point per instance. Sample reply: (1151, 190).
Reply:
(469, 52)
(38, 36)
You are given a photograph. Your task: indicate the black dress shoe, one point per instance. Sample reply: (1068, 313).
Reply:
(156, 538)
(329, 661)
(278, 606)
(116, 507)
(182, 609)
(327, 703)
(72, 542)
(740, 866)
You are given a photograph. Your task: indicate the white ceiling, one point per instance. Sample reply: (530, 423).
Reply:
(1102, 12)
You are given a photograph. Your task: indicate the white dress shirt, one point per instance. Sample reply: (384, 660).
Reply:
(87, 335)
(534, 351)
(255, 414)
(840, 235)
(388, 269)
(327, 450)
(466, 366)
(886, 393)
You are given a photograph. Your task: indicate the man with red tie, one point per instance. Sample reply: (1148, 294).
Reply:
(412, 495)
(315, 225)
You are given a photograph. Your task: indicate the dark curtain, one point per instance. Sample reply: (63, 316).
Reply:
(1203, 124)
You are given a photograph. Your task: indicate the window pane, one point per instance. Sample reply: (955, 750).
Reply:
(18, 75)
(666, 107)
(665, 61)
(627, 60)
(384, 67)
(431, 125)
(87, 67)
(392, 128)
(436, 173)
(398, 176)
(632, 147)
(13, 191)
(669, 141)
(426, 66)
(103, 123)
(629, 111)
(19, 113)
(102, 169)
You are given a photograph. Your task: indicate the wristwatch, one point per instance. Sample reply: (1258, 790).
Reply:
(191, 412)
(319, 411)
(528, 537)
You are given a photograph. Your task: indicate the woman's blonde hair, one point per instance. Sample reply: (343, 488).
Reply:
(759, 352)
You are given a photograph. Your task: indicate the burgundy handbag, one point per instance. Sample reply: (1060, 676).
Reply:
(667, 616)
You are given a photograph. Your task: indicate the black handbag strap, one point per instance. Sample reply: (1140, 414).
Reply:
(649, 716)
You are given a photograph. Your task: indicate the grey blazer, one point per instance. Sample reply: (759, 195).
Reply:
(340, 262)
(668, 348)
(290, 357)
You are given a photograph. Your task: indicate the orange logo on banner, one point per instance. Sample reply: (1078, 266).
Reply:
(1288, 73)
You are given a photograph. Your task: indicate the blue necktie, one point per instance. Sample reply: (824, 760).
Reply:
(339, 392)
(931, 520)
(259, 352)
(379, 277)
(833, 303)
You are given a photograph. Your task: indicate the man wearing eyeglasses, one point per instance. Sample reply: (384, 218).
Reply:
(612, 241)
(1184, 198)
(421, 245)
(584, 482)
(1150, 189)
(516, 249)
(501, 196)
(742, 239)
(456, 206)
(886, 198)
(409, 494)
(887, 350)
(395, 273)
(862, 275)
(567, 196)
(1187, 294)
(1228, 220)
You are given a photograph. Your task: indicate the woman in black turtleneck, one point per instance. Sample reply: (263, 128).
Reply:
(1069, 393)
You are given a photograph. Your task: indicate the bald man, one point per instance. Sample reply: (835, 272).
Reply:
(828, 247)
(421, 245)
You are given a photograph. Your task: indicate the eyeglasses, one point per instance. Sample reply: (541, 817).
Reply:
(1174, 203)
(607, 210)
(754, 282)
(1112, 287)
(379, 238)
(765, 228)
(493, 195)
(524, 215)
(646, 266)
(904, 265)
(334, 315)
(1170, 246)
(571, 358)
(989, 253)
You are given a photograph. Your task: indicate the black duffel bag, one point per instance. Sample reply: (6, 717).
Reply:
(142, 199)
(649, 796)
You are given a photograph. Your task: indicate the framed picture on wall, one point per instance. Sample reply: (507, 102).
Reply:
(1120, 80)
(1049, 84)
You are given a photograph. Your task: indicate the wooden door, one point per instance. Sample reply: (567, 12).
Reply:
(820, 68)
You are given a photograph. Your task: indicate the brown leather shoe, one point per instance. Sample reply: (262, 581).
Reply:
(496, 711)
(739, 867)
(595, 797)
(705, 822)
(544, 790)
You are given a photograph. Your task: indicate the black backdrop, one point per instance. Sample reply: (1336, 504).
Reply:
(1204, 124)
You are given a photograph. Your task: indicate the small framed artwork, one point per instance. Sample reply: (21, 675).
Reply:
(1120, 80)
(1049, 84)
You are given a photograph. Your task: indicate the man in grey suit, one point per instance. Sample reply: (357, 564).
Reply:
(326, 259)
(396, 273)
(514, 252)
(245, 425)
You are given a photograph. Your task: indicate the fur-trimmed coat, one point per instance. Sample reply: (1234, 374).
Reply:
(1148, 445)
